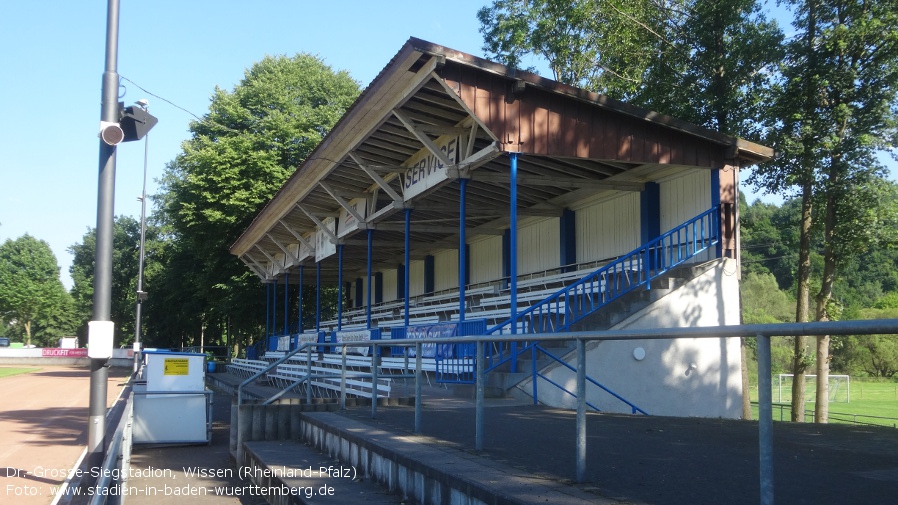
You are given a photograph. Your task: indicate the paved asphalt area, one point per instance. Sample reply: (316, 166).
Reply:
(43, 428)
(669, 460)
(634, 459)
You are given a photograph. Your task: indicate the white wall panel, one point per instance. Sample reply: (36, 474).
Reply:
(539, 246)
(684, 197)
(486, 259)
(445, 270)
(608, 228)
(364, 300)
(389, 284)
(416, 278)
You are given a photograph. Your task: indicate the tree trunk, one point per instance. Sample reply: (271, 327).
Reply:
(800, 357)
(821, 408)
(27, 334)
(824, 296)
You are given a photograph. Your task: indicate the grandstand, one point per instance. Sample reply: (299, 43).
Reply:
(460, 197)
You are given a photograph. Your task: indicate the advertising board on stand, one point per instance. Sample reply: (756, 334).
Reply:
(433, 350)
(56, 352)
(352, 336)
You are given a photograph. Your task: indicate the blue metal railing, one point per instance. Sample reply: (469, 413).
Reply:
(634, 270)
(627, 273)
(572, 303)
(538, 348)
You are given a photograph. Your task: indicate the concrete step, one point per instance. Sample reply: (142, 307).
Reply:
(296, 474)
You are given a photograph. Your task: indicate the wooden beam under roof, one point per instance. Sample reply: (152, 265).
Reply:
(560, 182)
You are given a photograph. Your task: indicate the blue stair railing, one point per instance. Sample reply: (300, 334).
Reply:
(537, 375)
(632, 271)
(628, 273)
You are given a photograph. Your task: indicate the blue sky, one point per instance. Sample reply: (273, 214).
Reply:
(180, 50)
(53, 58)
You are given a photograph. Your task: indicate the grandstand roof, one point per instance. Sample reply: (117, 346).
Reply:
(456, 115)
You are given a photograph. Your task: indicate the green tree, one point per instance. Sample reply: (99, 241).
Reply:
(31, 294)
(702, 61)
(835, 112)
(763, 302)
(575, 38)
(238, 156)
(770, 239)
(871, 355)
(125, 258)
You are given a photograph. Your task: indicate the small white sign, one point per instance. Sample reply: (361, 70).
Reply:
(348, 223)
(425, 170)
(99, 339)
(323, 245)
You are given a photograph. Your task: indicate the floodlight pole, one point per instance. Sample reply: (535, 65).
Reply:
(102, 299)
(143, 234)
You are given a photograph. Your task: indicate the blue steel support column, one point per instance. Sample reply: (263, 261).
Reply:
(480, 354)
(299, 301)
(513, 157)
(274, 309)
(368, 302)
(408, 222)
(318, 296)
(339, 287)
(462, 258)
(286, 303)
(267, 310)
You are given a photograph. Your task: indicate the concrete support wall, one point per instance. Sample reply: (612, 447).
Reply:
(684, 377)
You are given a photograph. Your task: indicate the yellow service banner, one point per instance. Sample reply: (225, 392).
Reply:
(176, 366)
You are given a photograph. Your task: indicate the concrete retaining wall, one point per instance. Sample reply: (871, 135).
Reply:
(405, 465)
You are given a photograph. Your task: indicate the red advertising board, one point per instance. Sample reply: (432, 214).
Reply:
(54, 352)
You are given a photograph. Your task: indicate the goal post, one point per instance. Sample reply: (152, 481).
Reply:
(839, 388)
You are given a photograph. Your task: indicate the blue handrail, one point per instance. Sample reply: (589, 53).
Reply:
(634, 270)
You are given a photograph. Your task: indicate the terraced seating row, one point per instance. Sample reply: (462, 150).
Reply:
(246, 367)
(327, 380)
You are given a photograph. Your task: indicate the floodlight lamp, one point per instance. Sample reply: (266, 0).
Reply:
(111, 133)
(136, 122)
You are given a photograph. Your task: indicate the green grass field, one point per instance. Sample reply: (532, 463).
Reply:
(871, 402)
(9, 371)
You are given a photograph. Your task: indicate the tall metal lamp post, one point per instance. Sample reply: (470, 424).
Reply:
(117, 124)
(141, 294)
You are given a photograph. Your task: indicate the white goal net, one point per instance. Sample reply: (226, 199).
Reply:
(839, 388)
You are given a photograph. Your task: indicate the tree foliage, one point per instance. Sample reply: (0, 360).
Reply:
(702, 61)
(32, 297)
(834, 112)
(125, 263)
(238, 156)
(867, 289)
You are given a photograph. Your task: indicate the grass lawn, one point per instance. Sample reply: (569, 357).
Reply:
(871, 403)
(8, 371)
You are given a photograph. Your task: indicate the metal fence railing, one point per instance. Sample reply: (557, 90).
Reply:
(764, 332)
(784, 413)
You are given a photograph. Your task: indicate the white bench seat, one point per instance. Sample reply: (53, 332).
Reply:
(246, 367)
(357, 383)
